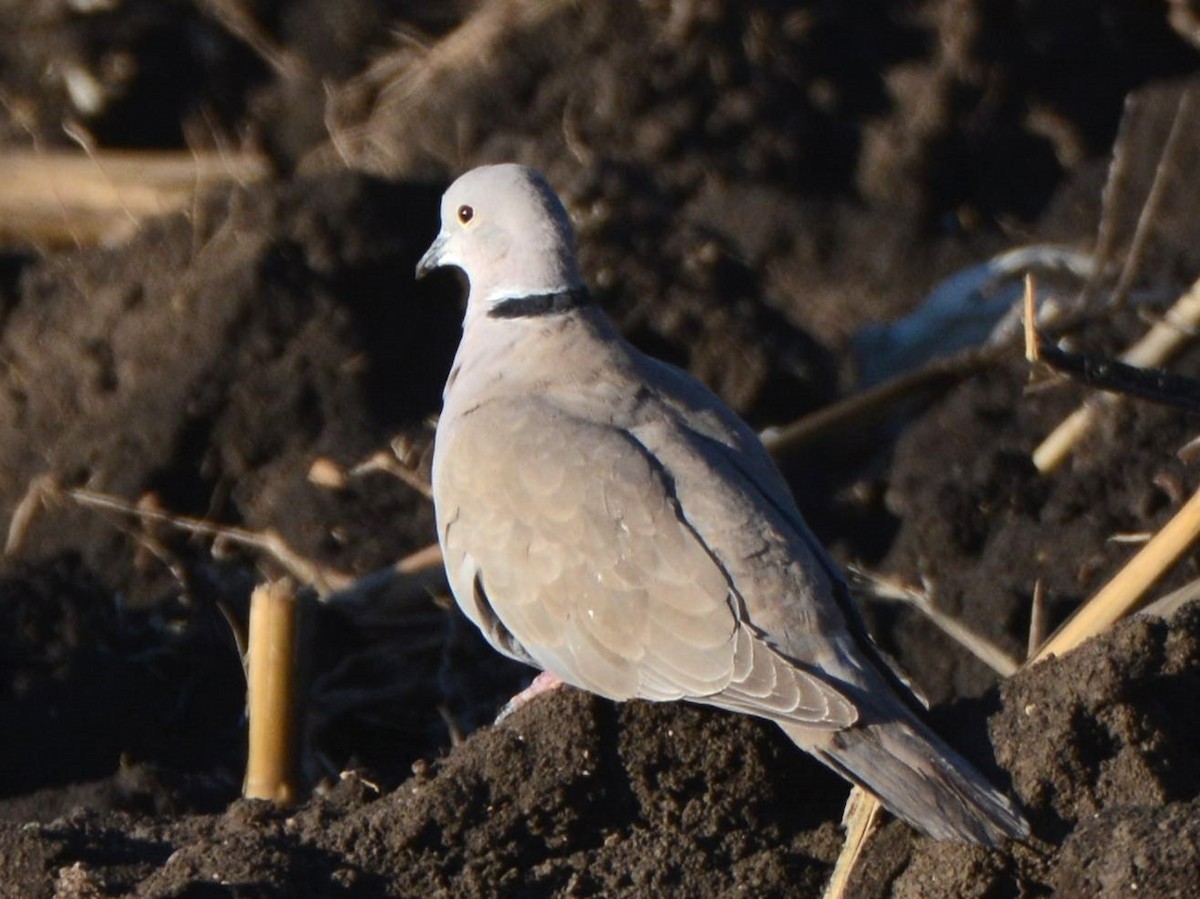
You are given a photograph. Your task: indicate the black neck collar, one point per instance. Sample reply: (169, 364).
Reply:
(536, 304)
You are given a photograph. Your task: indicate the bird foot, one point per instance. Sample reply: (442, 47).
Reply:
(543, 683)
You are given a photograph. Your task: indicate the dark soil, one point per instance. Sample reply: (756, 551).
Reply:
(752, 183)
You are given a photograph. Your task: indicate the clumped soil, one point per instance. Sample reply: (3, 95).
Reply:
(752, 182)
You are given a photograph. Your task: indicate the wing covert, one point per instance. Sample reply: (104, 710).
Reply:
(589, 562)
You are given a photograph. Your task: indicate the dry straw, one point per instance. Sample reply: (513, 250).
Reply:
(274, 661)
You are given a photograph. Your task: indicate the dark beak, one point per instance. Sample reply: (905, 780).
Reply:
(432, 258)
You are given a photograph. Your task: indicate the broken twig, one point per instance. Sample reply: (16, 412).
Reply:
(1155, 385)
(860, 819)
(1158, 345)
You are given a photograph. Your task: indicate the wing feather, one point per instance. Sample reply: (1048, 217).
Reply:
(590, 562)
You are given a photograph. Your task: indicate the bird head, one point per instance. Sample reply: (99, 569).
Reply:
(507, 230)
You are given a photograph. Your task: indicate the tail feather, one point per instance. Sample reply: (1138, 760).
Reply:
(919, 778)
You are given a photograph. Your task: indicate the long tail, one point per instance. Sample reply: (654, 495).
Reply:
(917, 777)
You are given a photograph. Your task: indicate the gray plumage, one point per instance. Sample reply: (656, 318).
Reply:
(606, 518)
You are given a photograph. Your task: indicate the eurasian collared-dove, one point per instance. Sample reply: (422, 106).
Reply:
(606, 518)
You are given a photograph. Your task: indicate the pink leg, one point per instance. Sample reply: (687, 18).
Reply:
(541, 684)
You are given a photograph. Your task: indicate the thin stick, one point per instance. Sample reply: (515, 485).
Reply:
(273, 662)
(400, 588)
(1124, 592)
(1155, 385)
(872, 404)
(980, 647)
(238, 21)
(1169, 334)
(1114, 186)
(40, 487)
(1103, 373)
(1032, 344)
(386, 461)
(1149, 215)
(1154, 349)
(430, 557)
(860, 818)
(1037, 620)
(322, 579)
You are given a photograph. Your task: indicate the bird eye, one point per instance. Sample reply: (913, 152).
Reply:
(465, 214)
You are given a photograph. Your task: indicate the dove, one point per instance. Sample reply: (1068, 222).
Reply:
(605, 518)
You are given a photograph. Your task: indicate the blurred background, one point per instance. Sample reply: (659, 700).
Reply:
(215, 366)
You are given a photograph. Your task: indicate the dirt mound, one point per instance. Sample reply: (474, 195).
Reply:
(573, 796)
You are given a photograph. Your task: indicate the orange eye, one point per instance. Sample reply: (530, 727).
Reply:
(465, 214)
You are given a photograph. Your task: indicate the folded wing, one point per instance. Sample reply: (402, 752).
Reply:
(565, 539)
